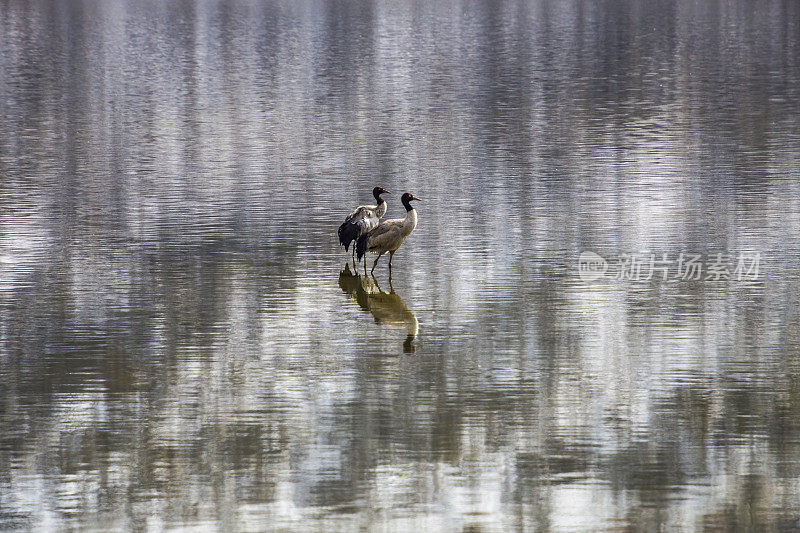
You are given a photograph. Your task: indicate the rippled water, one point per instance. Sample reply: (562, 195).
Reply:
(182, 344)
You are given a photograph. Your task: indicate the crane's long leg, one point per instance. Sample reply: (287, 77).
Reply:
(391, 256)
(375, 263)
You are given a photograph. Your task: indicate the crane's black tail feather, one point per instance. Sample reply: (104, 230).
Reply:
(361, 246)
(348, 232)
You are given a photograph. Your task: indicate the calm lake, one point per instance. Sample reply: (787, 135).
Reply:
(594, 327)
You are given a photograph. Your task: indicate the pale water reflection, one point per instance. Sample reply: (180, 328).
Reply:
(179, 345)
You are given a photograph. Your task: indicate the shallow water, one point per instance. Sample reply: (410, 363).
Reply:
(182, 344)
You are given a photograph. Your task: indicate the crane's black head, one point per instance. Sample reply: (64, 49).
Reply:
(377, 191)
(406, 199)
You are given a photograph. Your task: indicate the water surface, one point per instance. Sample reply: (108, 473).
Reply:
(183, 346)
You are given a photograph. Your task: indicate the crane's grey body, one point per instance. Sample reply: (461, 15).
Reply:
(389, 234)
(363, 219)
(366, 217)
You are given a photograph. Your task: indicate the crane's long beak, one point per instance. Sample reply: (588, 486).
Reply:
(415, 198)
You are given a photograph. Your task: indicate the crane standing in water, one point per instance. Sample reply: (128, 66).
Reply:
(389, 234)
(362, 219)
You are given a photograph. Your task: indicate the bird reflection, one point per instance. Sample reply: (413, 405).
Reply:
(386, 307)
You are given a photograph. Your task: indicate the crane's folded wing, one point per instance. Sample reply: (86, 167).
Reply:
(385, 236)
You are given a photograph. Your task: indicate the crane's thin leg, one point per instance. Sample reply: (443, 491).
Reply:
(391, 255)
(375, 263)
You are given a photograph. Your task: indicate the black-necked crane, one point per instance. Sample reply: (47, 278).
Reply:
(389, 234)
(362, 219)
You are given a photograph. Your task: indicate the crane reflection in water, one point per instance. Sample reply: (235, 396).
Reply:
(386, 307)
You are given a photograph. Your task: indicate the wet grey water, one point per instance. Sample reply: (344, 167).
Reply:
(181, 344)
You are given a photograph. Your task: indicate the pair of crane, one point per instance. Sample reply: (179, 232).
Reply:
(370, 235)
